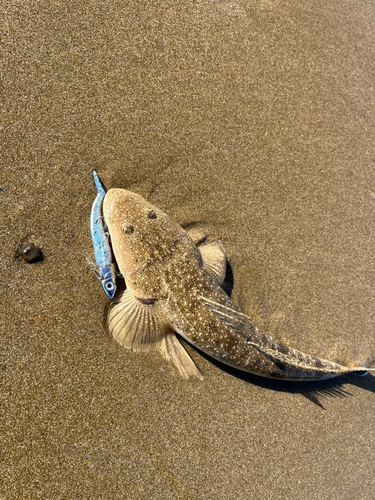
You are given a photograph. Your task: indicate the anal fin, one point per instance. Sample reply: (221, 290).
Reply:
(173, 351)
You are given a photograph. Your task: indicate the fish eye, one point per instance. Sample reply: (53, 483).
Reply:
(128, 229)
(151, 214)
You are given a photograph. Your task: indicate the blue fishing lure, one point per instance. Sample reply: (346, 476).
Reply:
(106, 271)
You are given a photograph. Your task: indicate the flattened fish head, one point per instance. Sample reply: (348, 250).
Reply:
(144, 239)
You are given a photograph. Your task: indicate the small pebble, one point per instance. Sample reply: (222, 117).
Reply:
(30, 253)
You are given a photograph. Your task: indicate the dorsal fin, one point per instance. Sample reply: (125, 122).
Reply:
(142, 326)
(214, 260)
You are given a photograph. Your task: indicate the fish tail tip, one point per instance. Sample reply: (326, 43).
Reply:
(363, 367)
(361, 373)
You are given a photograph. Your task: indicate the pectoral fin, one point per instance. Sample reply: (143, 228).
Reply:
(136, 325)
(214, 260)
(143, 326)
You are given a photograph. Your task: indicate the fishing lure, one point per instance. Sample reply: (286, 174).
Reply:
(105, 271)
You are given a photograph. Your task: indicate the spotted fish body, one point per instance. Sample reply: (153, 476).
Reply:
(174, 286)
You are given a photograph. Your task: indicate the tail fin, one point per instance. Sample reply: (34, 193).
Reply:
(360, 373)
(364, 367)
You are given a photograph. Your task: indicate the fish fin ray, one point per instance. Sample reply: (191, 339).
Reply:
(232, 318)
(137, 326)
(214, 260)
(174, 352)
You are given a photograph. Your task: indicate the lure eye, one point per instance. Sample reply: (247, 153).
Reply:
(151, 213)
(109, 286)
(128, 229)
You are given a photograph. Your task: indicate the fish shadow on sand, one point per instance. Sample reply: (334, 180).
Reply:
(314, 391)
(228, 282)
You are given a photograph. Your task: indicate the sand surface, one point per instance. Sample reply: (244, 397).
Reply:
(253, 122)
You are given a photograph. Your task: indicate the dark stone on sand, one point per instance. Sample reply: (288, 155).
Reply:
(30, 253)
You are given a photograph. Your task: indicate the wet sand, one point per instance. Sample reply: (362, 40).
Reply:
(250, 122)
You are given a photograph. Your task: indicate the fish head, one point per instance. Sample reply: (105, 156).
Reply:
(143, 239)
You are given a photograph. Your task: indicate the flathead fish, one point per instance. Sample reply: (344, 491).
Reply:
(174, 286)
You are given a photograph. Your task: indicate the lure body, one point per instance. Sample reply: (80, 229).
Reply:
(103, 255)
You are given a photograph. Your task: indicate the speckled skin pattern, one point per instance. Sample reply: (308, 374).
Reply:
(159, 261)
